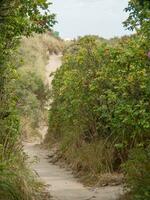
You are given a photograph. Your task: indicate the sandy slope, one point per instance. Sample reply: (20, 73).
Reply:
(61, 183)
(53, 65)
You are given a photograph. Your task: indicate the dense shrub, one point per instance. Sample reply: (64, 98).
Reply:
(102, 92)
(137, 170)
(17, 18)
(101, 97)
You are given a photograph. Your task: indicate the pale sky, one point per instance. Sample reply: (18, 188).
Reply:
(82, 17)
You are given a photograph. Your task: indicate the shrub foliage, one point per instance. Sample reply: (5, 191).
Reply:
(17, 18)
(101, 93)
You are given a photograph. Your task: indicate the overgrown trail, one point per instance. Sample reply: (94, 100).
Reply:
(61, 183)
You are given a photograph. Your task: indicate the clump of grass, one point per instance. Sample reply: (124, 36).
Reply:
(91, 162)
(17, 181)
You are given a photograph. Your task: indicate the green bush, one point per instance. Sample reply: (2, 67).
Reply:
(102, 93)
(17, 19)
(137, 173)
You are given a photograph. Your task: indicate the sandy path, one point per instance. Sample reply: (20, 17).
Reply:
(61, 183)
(53, 65)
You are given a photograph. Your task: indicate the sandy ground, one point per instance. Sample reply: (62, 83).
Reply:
(53, 65)
(61, 183)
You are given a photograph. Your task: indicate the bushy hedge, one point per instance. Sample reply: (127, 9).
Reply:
(17, 18)
(103, 92)
(101, 96)
(137, 170)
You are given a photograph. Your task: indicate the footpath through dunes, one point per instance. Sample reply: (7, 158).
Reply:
(61, 183)
(53, 65)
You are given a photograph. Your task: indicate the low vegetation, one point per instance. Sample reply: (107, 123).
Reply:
(100, 113)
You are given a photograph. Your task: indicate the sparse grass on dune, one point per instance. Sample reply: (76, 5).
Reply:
(35, 52)
(31, 59)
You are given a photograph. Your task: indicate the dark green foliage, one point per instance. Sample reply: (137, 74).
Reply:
(17, 18)
(139, 16)
(137, 171)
